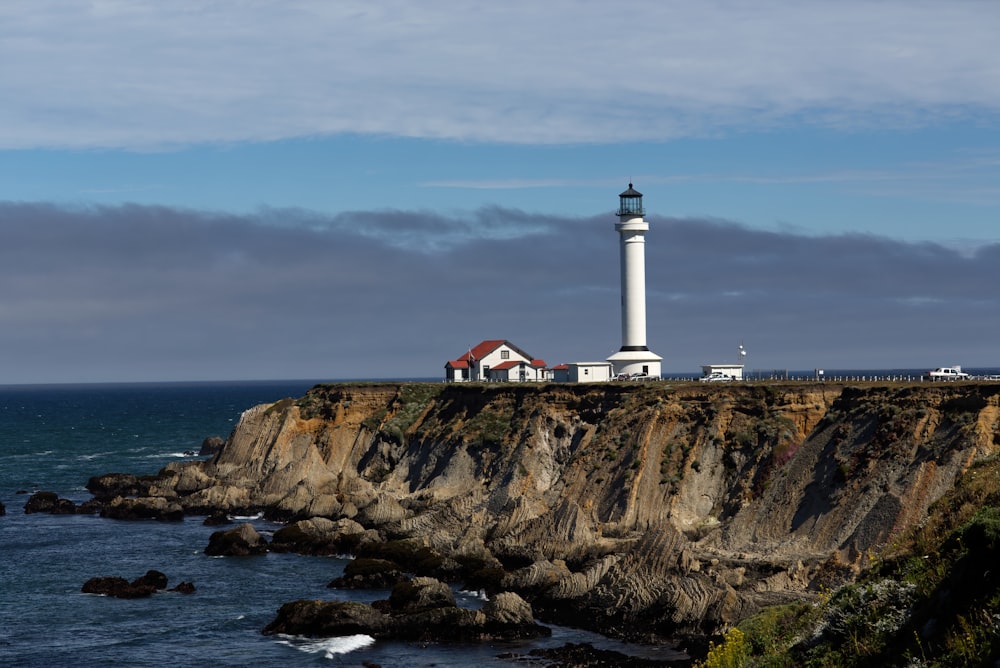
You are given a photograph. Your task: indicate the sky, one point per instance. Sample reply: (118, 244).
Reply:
(258, 189)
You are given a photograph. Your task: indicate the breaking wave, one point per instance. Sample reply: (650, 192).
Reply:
(329, 647)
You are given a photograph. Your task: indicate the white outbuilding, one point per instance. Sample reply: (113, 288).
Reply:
(589, 372)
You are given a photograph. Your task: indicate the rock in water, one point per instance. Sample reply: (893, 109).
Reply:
(49, 502)
(211, 445)
(154, 579)
(238, 542)
(420, 610)
(119, 587)
(145, 508)
(319, 619)
(420, 594)
(184, 588)
(367, 573)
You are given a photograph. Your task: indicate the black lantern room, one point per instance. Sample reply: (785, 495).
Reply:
(631, 203)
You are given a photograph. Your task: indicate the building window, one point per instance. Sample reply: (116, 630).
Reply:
(505, 354)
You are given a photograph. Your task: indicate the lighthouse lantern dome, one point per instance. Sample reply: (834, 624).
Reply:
(631, 203)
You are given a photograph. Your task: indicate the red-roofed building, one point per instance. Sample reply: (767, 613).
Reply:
(518, 371)
(508, 361)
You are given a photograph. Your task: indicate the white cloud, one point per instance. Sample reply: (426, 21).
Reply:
(148, 74)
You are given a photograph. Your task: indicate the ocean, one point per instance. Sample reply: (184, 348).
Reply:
(54, 438)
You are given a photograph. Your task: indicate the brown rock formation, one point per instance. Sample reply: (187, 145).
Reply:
(653, 507)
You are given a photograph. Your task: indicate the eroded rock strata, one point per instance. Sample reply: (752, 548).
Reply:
(644, 510)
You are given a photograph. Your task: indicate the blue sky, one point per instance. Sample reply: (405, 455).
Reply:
(452, 175)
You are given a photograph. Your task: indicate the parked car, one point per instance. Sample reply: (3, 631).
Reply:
(947, 373)
(716, 377)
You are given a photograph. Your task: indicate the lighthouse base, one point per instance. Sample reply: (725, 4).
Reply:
(636, 363)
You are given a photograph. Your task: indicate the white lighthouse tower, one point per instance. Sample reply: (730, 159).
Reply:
(634, 357)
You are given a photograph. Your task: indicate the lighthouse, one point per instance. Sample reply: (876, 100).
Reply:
(634, 358)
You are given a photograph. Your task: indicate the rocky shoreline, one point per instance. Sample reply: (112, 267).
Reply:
(652, 513)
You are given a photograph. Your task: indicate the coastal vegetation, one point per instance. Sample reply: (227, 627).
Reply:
(930, 599)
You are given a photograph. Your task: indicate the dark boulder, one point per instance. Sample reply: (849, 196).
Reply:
(142, 586)
(3, 510)
(211, 445)
(421, 610)
(509, 616)
(154, 579)
(322, 619)
(108, 486)
(119, 587)
(420, 594)
(217, 518)
(184, 588)
(320, 536)
(90, 507)
(149, 508)
(449, 624)
(49, 502)
(237, 542)
(367, 573)
(419, 559)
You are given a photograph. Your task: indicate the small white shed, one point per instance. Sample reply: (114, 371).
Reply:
(589, 372)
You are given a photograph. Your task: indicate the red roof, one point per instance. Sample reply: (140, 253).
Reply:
(561, 367)
(510, 364)
(483, 349)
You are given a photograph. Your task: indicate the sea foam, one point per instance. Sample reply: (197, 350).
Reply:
(329, 647)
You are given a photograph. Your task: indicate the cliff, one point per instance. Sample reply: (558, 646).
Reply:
(642, 509)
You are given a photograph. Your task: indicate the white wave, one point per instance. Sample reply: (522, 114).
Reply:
(95, 455)
(178, 455)
(478, 595)
(244, 518)
(329, 647)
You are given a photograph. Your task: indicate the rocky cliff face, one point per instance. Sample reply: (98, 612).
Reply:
(633, 507)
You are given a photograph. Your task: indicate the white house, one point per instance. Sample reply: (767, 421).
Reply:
(480, 361)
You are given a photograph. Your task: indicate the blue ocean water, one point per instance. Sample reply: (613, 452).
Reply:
(54, 438)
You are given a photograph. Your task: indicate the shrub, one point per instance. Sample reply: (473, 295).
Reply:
(732, 653)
